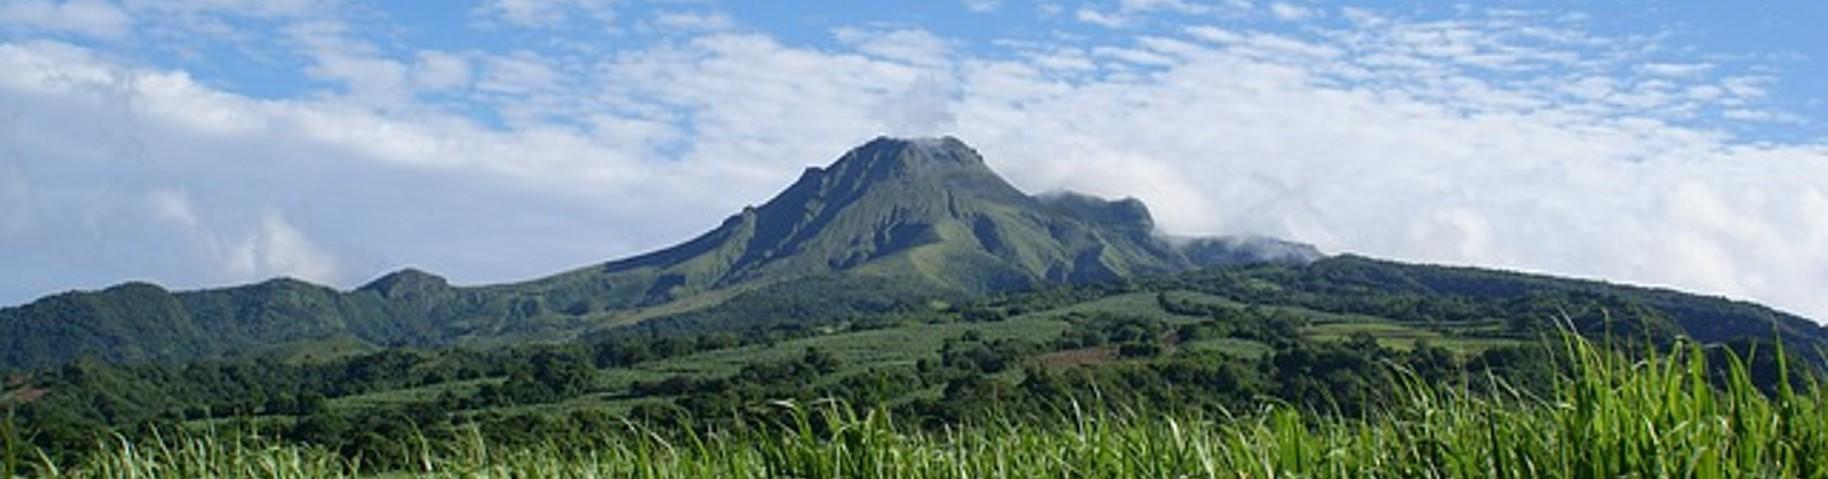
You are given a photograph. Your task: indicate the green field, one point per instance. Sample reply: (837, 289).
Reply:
(1403, 336)
(904, 344)
(899, 346)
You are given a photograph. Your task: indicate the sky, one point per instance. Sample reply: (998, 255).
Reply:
(208, 143)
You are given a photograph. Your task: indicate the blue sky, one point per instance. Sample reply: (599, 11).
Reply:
(212, 142)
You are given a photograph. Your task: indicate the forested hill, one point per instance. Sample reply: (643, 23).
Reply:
(1352, 283)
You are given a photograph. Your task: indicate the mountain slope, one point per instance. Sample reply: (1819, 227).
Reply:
(916, 219)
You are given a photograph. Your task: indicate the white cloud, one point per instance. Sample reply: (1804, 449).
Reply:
(544, 13)
(158, 177)
(373, 79)
(983, 6)
(924, 108)
(772, 108)
(1049, 9)
(1070, 60)
(1133, 56)
(1213, 34)
(254, 8)
(1128, 12)
(1362, 17)
(437, 70)
(95, 18)
(340, 57)
(520, 73)
(1763, 116)
(527, 89)
(918, 47)
(1103, 19)
(272, 247)
(173, 206)
(279, 249)
(1176, 6)
(1451, 167)
(15, 200)
(1747, 86)
(694, 22)
(1683, 70)
(1290, 12)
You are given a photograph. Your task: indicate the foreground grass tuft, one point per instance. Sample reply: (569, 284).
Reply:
(1665, 416)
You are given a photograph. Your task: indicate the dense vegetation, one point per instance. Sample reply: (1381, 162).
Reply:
(1604, 414)
(1330, 342)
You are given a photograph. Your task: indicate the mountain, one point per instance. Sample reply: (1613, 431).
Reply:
(894, 225)
(893, 222)
(928, 211)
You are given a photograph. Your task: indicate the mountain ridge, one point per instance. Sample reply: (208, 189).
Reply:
(893, 223)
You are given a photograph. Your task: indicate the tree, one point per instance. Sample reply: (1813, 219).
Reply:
(821, 361)
(1432, 364)
(1139, 349)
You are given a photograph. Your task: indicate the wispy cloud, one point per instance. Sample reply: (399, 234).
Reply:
(544, 14)
(1290, 12)
(694, 21)
(96, 18)
(983, 6)
(1100, 18)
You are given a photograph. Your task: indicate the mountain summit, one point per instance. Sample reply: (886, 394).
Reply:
(929, 210)
(891, 222)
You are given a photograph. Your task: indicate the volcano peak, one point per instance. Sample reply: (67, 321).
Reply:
(910, 154)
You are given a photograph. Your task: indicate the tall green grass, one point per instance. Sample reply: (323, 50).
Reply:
(1667, 415)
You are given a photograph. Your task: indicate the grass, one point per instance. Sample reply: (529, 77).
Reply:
(410, 395)
(1323, 326)
(1237, 347)
(902, 345)
(1134, 304)
(1403, 336)
(858, 351)
(1608, 417)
